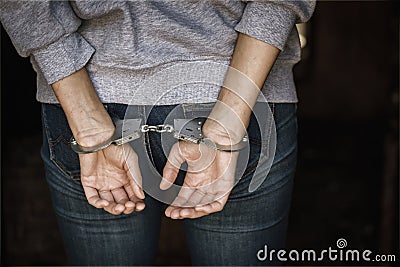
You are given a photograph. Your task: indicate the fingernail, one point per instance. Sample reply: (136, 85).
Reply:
(129, 204)
(140, 207)
(142, 196)
(138, 192)
(164, 185)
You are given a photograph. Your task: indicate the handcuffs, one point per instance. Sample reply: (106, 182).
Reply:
(188, 130)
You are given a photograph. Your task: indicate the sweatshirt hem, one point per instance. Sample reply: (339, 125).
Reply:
(176, 83)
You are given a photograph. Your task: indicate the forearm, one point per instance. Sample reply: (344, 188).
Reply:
(251, 62)
(86, 115)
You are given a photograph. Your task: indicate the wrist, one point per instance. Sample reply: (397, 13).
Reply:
(92, 131)
(219, 134)
(227, 122)
(86, 115)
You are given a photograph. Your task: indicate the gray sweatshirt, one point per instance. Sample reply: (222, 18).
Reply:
(153, 52)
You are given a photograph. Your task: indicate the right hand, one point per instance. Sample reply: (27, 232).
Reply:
(111, 179)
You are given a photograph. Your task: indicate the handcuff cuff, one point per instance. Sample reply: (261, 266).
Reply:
(187, 130)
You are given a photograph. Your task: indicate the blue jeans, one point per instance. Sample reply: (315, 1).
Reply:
(230, 237)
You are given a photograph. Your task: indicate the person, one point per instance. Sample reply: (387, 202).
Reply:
(92, 56)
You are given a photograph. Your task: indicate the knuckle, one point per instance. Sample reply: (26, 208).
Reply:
(217, 207)
(92, 202)
(128, 211)
(114, 212)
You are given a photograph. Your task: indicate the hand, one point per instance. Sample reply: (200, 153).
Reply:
(111, 179)
(208, 182)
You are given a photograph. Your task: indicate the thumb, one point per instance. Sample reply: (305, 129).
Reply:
(171, 168)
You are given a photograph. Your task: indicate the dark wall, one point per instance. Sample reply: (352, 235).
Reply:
(352, 69)
(20, 113)
(347, 179)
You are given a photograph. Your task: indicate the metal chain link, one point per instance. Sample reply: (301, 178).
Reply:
(162, 128)
(189, 133)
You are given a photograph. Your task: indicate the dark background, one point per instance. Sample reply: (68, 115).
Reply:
(347, 180)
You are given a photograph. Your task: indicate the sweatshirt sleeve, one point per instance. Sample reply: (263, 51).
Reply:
(46, 30)
(272, 21)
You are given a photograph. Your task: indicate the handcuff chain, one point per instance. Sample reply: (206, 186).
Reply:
(161, 128)
(187, 133)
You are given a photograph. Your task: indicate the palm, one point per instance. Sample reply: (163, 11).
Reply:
(111, 179)
(208, 182)
(111, 175)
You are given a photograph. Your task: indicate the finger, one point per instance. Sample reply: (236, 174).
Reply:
(137, 190)
(129, 207)
(133, 171)
(139, 204)
(134, 182)
(191, 214)
(172, 212)
(184, 213)
(113, 207)
(180, 202)
(129, 191)
(182, 199)
(179, 213)
(176, 213)
(93, 198)
(201, 210)
(107, 195)
(215, 206)
(215, 203)
(121, 197)
(168, 211)
(171, 168)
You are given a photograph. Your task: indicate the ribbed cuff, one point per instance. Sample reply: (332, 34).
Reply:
(268, 22)
(63, 57)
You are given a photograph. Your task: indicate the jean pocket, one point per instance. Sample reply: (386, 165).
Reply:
(196, 110)
(58, 135)
(261, 123)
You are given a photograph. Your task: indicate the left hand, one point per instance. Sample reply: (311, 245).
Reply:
(208, 182)
(111, 179)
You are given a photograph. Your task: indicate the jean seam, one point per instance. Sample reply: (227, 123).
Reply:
(196, 107)
(53, 159)
(250, 168)
(236, 230)
(270, 126)
(146, 138)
